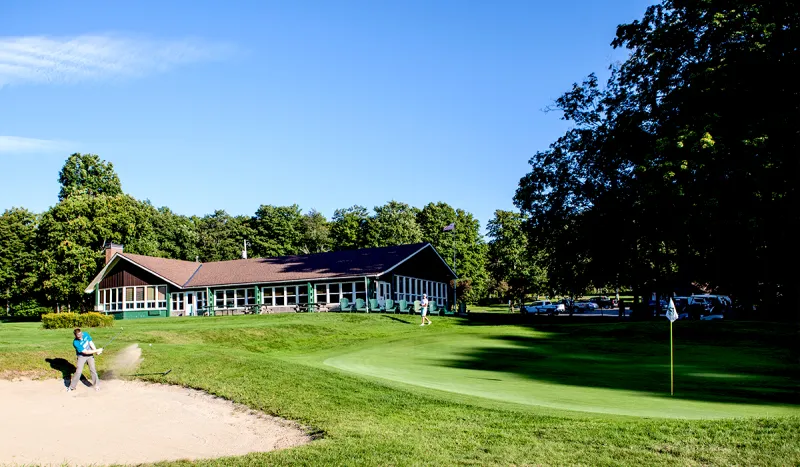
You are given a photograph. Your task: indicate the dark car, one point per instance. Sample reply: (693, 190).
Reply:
(604, 302)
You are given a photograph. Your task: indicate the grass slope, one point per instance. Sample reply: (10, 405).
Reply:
(275, 364)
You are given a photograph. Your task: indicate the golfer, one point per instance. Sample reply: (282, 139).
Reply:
(425, 310)
(85, 350)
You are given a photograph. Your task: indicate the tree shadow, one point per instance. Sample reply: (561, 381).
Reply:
(396, 319)
(625, 360)
(519, 319)
(66, 369)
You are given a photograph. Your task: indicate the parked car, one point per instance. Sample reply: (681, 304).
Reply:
(604, 302)
(711, 317)
(713, 304)
(585, 305)
(543, 306)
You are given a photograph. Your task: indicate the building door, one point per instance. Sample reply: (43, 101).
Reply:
(384, 291)
(191, 309)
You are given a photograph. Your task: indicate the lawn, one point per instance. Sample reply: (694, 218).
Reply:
(492, 389)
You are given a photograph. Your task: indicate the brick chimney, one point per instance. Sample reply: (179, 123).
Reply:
(111, 249)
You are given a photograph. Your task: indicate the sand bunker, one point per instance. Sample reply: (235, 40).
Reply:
(129, 423)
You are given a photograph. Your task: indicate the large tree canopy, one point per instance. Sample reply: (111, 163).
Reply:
(18, 254)
(683, 167)
(515, 268)
(87, 174)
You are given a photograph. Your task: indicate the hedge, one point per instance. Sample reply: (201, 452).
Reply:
(75, 320)
(29, 309)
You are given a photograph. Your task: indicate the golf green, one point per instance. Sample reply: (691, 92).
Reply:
(538, 369)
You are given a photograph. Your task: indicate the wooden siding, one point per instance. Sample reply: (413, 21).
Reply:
(125, 274)
(424, 265)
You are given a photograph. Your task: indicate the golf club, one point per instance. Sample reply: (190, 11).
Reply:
(115, 336)
(151, 374)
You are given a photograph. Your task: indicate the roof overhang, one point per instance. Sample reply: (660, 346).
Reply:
(116, 259)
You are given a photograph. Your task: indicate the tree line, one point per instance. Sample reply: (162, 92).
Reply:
(683, 168)
(47, 259)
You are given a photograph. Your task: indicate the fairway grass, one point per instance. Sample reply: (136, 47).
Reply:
(381, 390)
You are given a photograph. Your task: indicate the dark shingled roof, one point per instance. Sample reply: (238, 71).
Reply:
(174, 270)
(189, 274)
(363, 262)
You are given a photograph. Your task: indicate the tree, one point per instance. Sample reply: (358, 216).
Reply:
(221, 236)
(512, 265)
(316, 233)
(176, 235)
(465, 240)
(88, 174)
(18, 254)
(348, 229)
(394, 223)
(278, 230)
(672, 172)
(471, 253)
(71, 238)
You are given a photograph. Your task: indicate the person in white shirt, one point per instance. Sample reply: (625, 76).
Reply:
(424, 304)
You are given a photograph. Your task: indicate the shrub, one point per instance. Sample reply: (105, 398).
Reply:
(29, 309)
(75, 320)
(96, 320)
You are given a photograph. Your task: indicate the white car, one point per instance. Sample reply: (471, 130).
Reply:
(543, 306)
(710, 317)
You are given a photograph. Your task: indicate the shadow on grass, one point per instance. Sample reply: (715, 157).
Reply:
(635, 357)
(396, 319)
(66, 369)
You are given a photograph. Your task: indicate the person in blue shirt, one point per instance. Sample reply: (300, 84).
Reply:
(85, 351)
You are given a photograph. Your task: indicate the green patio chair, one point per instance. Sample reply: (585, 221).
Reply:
(374, 305)
(403, 307)
(390, 306)
(361, 305)
(448, 309)
(417, 307)
(462, 308)
(433, 309)
(344, 305)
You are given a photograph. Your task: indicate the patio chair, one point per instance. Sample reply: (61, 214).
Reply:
(433, 308)
(361, 305)
(403, 307)
(417, 307)
(374, 305)
(448, 309)
(390, 306)
(462, 308)
(344, 305)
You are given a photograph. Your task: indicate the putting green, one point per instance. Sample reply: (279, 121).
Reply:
(513, 366)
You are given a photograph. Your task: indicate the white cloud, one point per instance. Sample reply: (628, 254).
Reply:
(41, 59)
(19, 145)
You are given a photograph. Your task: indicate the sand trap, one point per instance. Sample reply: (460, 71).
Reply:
(129, 423)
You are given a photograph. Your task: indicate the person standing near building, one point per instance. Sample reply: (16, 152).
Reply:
(424, 304)
(85, 350)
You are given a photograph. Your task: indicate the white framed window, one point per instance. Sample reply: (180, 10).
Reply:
(334, 293)
(267, 297)
(177, 302)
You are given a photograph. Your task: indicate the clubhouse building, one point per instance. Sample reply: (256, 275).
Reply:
(137, 286)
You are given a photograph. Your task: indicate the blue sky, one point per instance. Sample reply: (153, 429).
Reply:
(229, 105)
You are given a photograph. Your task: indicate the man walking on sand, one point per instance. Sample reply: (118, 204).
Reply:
(85, 350)
(424, 304)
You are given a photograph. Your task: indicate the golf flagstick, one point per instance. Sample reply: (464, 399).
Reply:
(672, 315)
